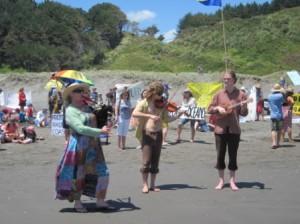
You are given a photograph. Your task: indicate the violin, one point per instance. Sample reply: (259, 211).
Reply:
(170, 106)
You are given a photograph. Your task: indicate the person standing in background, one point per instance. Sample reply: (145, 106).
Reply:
(259, 103)
(22, 99)
(123, 113)
(288, 115)
(276, 101)
(187, 101)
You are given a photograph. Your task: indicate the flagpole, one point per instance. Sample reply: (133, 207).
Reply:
(224, 41)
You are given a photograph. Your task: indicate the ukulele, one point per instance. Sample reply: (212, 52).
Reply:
(229, 107)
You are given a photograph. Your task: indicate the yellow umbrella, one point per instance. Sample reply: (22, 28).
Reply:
(52, 83)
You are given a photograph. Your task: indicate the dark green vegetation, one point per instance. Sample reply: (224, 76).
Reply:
(258, 45)
(51, 36)
(261, 39)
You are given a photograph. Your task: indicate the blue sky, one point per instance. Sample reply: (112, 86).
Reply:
(165, 14)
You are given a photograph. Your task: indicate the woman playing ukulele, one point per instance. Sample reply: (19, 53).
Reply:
(228, 104)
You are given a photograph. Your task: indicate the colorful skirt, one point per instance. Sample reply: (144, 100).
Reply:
(82, 169)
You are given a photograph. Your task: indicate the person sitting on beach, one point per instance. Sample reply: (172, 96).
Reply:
(11, 131)
(6, 114)
(41, 119)
(29, 135)
(30, 114)
(150, 115)
(20, 115)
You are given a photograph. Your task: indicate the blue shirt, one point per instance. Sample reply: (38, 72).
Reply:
(125, 109)
(275, 104)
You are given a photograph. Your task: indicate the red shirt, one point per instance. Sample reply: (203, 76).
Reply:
(22, 96)
(228, 123)
(29, 112)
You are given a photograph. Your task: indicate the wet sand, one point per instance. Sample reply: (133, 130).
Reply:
(269, 182)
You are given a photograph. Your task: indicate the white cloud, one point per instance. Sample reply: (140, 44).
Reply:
(140, 16)
(170, 35)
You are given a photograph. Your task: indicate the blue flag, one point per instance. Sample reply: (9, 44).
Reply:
(211, 2)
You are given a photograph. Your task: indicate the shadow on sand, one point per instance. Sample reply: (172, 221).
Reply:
(286, 146)
(119, 205)
(173, 187)
(187, 141)
(1, 150)
(250, 185)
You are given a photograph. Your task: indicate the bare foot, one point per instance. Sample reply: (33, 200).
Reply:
(155, 189)
(220, 185)
(233, 186)
(145, 189)
(78, 207)
(101, 204)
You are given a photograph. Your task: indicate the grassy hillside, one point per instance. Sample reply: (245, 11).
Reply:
(260, 45)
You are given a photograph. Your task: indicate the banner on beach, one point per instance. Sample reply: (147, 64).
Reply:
(12, 99)
(135, 91)
(203, 92)
(56, 125)
(294, 77)
(2, 99)
(296, 107)
(192, 113)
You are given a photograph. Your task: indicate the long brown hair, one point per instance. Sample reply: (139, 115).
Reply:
(155, 87)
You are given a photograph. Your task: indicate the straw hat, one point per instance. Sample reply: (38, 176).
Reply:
(187, 91)
(277, 88)
(289, 90)
(72, 87)
(257, 85)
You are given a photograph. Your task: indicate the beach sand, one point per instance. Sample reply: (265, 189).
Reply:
(269, 179)
(269, 182)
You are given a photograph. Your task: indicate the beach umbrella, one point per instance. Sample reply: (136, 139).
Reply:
(68, 77)
(52, 83)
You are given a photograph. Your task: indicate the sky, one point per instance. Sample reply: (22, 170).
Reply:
(165, 14)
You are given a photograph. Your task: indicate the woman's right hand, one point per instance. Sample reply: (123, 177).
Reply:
(221, 110)
(105, 130)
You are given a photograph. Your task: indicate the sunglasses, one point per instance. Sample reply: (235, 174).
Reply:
(78, 91)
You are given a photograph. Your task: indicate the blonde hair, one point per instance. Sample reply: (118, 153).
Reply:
(155, 87)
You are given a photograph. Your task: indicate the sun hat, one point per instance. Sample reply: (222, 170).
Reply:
(69, 89)
(257, 85)
(289, 90)
(277, 88)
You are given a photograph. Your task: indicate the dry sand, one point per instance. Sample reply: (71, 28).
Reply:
(269, 182)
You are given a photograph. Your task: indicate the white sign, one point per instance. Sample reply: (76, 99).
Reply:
(12, 99)
(56, 125)
(135, 91)
(295, 77)
(192, 113)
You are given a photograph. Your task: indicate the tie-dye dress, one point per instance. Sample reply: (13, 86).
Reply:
(82, 168)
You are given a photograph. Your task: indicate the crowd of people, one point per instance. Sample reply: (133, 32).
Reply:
(17, 125)
(82, 168)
